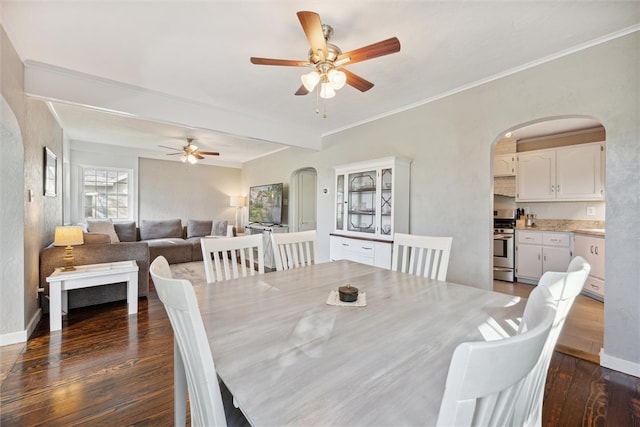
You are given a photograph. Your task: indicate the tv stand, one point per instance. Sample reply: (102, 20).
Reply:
(266, 230)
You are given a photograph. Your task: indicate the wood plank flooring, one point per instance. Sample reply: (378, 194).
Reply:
(105, 368)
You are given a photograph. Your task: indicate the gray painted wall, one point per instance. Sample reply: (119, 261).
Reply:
(177, 190)
(451, 143)
(33, 221)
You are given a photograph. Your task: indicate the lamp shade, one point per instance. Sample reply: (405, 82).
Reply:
(236, 201)
(337, 78)
(327, 91)
(310, 80)
(68, 236)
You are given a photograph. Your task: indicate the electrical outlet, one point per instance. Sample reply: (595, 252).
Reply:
(591, 211)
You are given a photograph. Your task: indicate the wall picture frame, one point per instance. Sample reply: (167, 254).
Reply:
(50, 176)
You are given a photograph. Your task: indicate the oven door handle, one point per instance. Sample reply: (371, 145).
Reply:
(502, 237)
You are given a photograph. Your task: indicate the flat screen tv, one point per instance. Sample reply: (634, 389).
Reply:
(265, 204)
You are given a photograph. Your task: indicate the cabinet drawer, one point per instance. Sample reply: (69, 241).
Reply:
(594, 286)
(530, 237)
(556, 239)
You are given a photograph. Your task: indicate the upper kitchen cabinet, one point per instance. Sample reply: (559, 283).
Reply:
(372, 198)
(570, 173)
(504, 165)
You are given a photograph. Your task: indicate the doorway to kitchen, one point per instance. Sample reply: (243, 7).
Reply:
(549, 173)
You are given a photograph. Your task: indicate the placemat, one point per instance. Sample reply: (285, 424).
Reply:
(334, 299)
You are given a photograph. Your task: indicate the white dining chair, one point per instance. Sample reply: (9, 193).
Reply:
(485, 378)
(228, 258)
(293, 250)
(179, 299)
(564, 288)
(426, 256)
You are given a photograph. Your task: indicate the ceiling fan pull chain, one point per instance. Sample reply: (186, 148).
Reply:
(317, 101)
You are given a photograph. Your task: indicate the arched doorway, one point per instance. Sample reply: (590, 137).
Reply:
(554, 146)
(12, 321)
(302, 197)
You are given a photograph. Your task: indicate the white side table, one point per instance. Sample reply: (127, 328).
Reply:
(85, 276)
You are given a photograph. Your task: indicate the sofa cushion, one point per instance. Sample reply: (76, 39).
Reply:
(160, 229)
(104, 226)
(175, 250)
(126, 231)
(96, 238)
(198, 228)
(219, 228)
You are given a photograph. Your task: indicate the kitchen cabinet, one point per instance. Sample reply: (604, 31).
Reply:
(592, 249)
(574, 172)
(504, 165)
(540, 251)
(371, 204)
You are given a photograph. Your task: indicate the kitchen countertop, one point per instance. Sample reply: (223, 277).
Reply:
(592, 228)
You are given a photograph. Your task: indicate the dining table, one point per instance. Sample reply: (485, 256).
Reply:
(289, 356)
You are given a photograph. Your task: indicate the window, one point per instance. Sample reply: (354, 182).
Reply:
(106, 193)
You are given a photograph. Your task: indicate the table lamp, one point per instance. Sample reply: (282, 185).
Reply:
(68, 236)
(237, 202)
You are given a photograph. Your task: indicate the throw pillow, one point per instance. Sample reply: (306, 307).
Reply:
(126, 231)
(219, 228)
(104, 226)
(198, 228)
(96, 238)
(160, 229)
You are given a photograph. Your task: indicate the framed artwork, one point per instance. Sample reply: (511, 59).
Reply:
(50, 172)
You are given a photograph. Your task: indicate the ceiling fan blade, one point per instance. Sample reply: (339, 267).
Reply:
(173, 154)
(170, 148)
(280, 62)
(208, 153)
(375, 50)
(356, 81)
(312, 27)
(302, 90)
(197, 156)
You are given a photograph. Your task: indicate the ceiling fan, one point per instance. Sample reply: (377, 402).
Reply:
(328, 60)
(190, 152)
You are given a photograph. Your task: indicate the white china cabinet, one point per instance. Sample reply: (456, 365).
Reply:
(371, 203)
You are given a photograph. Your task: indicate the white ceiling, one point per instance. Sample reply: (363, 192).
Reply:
(172, 69)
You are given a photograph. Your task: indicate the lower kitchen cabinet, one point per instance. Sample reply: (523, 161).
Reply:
(364, 251)
(591, 248)
(540, 251)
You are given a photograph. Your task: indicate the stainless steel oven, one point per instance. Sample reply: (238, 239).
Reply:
(504, 244)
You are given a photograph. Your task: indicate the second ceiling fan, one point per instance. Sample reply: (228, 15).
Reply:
(190, 152)
(328, 60)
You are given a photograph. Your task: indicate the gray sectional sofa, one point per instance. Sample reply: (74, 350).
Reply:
(124, 241)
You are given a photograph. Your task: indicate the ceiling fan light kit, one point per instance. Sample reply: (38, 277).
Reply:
(327, 59)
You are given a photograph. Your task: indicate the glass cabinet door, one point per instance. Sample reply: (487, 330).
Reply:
(386, 220)
(340, 202)
(361, 198)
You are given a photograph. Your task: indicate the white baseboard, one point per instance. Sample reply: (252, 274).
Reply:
(21, 336)
(617, 364)
(13, 338)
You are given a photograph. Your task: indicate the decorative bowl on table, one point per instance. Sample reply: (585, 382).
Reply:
(348, 293)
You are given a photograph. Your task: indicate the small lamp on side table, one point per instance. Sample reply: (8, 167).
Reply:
(68, 236)
(237, 202)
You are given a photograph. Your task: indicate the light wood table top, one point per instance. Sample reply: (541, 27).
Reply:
(289, 358)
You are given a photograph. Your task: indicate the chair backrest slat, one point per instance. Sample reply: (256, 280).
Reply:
(426, 256)
(225, 258)
(293, 250)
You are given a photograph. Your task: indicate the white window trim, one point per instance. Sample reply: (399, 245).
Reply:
(133, 195)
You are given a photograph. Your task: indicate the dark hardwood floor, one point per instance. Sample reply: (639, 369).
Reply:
(105, 368)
